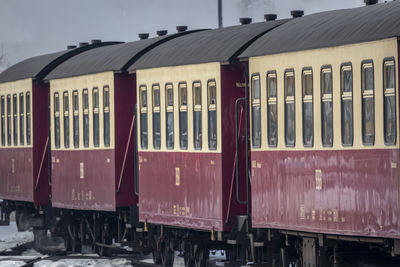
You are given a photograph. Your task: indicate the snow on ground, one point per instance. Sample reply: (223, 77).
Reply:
(84, 262)
(10, 237)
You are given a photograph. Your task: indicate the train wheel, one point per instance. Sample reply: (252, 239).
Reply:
(201, 257)
(167, 254)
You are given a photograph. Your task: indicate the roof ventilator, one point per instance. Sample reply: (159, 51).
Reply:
(71, 47)
(244, 21)
(270, 17)
(96, 41)
(162, 32)
(82, 44)
(181, 28)
(297, 13)
(143, 36)
(370, 2)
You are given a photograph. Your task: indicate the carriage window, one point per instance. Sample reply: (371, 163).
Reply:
(66, 119)
(3, 130)
(15, 119)
(106, 115)
(290, 120)
(9, 120)
(308, 114)
(96, 137)
(169, 116)
(212, 115)
(256, 111)
(183, 129)
(368, 116)
(75, 104)
(347, 104)
(272, 109)
(389, 82)
(326, 107)
(28, 118)
(143, 116)
(156, 117)
(85, 107)
(21, 118)
(56, 120)
(197, 121)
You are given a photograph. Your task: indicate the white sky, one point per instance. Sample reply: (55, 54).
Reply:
(34, 27)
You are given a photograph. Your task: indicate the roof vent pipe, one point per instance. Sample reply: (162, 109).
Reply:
(297, 13)
(162, 32)
(96, 41)
(71, 47)
(181, 28)
(370, 2)
(82, 44)
(270, 17)
(244, 21)
(143, 36)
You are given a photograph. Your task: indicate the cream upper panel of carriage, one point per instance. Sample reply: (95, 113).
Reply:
(365, 123)
(16, 114)
(175, 118)
(82, 112)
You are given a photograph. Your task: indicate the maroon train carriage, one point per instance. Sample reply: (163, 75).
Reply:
(325, 131)
(187, 89)
(92, 143)
(25, 181)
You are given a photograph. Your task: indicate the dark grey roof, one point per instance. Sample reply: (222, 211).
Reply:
(38, 67)
(218, 45)
(111, 58)
(331, 28)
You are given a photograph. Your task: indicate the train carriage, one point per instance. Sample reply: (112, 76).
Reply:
(25, 181)
(325, 128)
(92, 111)
(186, 91)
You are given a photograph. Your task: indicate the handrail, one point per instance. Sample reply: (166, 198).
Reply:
(235, 162)
(126, 154)
(41, 163)
(237, 129)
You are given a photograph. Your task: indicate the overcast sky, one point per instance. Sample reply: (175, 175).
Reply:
(34, 27)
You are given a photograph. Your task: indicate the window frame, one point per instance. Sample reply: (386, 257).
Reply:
(96, 111)
(156, 109)
(169, 109)
(270, 100)
(143, 109)
(327, 98)
(197, 108)
(363, 95)
(9, 122)
(85, 113)
(15, 119)
(56, 114)
(212, 107)
(343, 94)
(66, 114)
(3, 120)
(385, 60)
(106, 111)
(75, 113)
(28, 109)
(285, 100)
(307, 70)
(183, 108)
(255, 103)
(21, 118)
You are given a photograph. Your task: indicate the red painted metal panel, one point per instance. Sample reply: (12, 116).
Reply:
(181, 189)
(84, 188)
(40, 129)
(347, 192)
(16, 168)
(124, 106)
